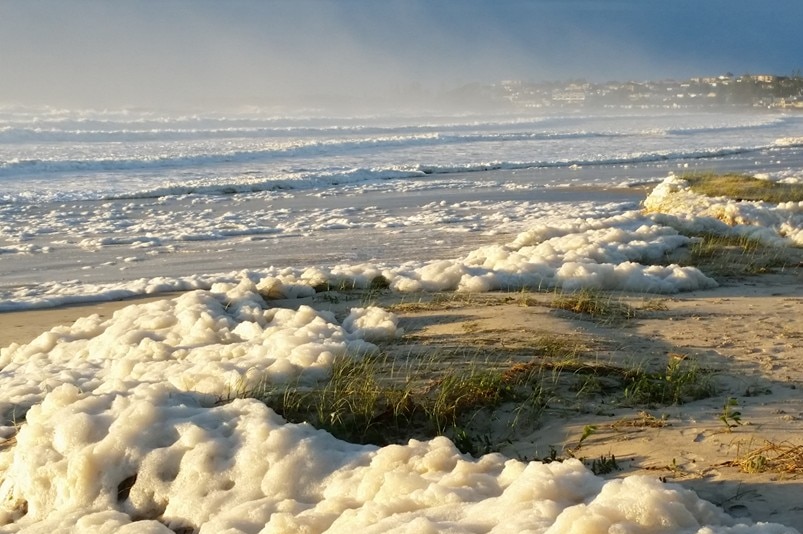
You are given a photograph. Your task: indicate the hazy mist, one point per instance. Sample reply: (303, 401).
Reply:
(203, 53)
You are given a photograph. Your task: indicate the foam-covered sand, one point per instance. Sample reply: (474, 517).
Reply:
(122, 423)
(137, 395)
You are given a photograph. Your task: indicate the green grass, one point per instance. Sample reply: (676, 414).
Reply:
(680, 382)
(441, 301)
(604, 465)
(743, 187)
(708, 246)
(376, 400)
(483, 388)
(729, 256)
(381, 400)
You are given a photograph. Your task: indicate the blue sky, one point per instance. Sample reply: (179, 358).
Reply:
(143, 52)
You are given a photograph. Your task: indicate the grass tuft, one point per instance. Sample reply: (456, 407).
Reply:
(485, 391)
(381, 401)
(679, 383)
(772, 458)
(599, 305)
(728, 256)
(374, 400)
(743, 187)
(604, 465)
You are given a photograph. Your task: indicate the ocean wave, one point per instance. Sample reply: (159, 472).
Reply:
(643, 157)
(315, 178)
(368, 134)
(27, 134)
(139, 120)
(299, 181)
(119, 128)
(95, 131)
(18, 167)
(738, 126)
(333, 147)
(14, 167)
(58, 128)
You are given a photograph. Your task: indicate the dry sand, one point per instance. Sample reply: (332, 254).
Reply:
(747, 336)
(23, 326)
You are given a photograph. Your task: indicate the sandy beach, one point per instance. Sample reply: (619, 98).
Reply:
(745, 336)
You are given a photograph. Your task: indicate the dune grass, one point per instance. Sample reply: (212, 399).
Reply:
(743, 187)
(479, 387)
(378, 400)
(680, 382)
(381, 399)
(731, 255)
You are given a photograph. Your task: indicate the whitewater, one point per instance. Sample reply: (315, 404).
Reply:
(236, 210)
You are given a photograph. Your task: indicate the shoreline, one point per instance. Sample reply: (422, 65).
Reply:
(390, 222)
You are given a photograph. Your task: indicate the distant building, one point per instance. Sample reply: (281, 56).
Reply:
(726, 90)
(763, 78)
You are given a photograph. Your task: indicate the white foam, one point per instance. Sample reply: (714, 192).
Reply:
(773, 224)
(597, 250)
(613, 253)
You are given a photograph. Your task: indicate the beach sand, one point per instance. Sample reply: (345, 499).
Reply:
(23, 326)
(745, 336)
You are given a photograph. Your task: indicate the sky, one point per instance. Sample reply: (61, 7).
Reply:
(203, 53)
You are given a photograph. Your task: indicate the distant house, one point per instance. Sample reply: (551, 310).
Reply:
(763, 78)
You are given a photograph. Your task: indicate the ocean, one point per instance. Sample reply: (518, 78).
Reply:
(96, 205)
